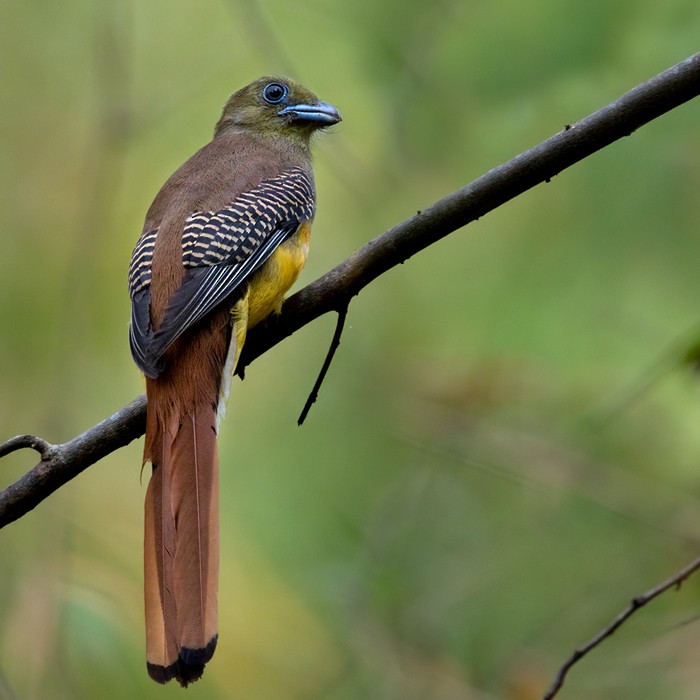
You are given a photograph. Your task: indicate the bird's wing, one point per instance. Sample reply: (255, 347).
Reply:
(220, 251)
(140, 333)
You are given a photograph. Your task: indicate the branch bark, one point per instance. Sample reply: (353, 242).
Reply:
(61, 463)
(334, 290)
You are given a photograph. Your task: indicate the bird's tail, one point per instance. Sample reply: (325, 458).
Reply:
(181, 558)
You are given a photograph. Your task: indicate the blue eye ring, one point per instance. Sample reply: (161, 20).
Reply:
(274, 93)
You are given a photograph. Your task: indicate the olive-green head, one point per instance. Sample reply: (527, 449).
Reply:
(277, 106)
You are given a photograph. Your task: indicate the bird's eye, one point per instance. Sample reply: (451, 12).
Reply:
(274, 93)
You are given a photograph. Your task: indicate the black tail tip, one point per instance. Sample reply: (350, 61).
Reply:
(188, 668)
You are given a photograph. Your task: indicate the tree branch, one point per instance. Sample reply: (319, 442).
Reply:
(642, 104)
(635, 108)
(60, 463)
(636, 603)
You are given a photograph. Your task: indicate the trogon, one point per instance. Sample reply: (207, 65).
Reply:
(223, 241)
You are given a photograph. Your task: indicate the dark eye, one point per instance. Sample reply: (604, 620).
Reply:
(274, 93)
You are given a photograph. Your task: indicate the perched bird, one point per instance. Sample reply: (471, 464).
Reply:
(223, 241)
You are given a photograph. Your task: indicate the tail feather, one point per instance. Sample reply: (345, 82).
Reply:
(195, 483)
(181, 544)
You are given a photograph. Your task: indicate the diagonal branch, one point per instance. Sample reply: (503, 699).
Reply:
(636, 603)
(642, 104)
(331, 292)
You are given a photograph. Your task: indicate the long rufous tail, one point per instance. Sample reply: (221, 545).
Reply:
(181, 559)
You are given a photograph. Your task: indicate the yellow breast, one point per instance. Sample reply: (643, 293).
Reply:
(272, 281)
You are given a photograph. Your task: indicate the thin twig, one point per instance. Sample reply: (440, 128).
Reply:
(638, 602)
(639, 106)
(20, 442)
(61, 463)
(335, 343)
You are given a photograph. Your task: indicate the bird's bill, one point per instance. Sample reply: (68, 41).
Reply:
(322, 113)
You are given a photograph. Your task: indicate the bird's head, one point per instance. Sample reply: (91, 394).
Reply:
(278, 106)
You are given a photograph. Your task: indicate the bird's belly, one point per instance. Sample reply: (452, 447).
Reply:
(269, 285)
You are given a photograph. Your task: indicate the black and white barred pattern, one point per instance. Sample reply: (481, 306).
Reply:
(231, 234)
(141, 259)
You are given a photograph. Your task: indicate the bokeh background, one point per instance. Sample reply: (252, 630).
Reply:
(507, 447)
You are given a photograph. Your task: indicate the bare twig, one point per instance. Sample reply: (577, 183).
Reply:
(20, 442)
(60, 463)
(638, 602)
(639, 106)
(335, 343)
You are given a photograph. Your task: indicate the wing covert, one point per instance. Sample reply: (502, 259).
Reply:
(220, 250)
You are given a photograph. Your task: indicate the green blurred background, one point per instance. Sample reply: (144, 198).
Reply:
(507, 447)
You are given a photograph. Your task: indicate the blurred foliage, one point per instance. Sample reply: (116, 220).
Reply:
(507, 446)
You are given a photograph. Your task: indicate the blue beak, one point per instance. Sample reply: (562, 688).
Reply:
(322, 113)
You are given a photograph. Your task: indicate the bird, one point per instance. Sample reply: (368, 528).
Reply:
(223, 241)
